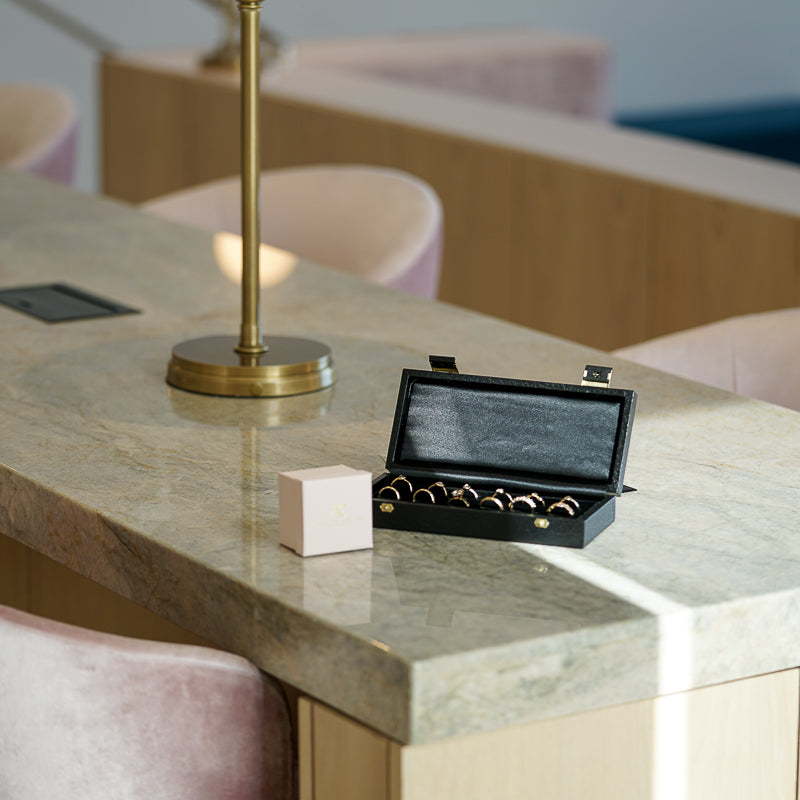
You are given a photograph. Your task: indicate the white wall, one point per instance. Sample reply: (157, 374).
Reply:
(667, 53)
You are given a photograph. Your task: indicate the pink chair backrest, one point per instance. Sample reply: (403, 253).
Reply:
(93, 716)
(381, 224)
(565, 73)
(753, 355)
(38, 131)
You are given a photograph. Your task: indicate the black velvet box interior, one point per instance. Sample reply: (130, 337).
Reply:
(523, 436)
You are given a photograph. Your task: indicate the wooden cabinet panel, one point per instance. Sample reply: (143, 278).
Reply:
(339, 758)
(710, 259)
(577, 265)
(734, 741)
(13, 573)
(586, 253)
(742, 738)
(35, 583)
(162, 134)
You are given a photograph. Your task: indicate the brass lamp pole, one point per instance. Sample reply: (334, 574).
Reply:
(250, 366)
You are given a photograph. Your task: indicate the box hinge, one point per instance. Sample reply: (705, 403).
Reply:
(443, 363)
(597, 376)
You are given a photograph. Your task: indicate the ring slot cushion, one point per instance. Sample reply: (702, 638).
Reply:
(524, 436)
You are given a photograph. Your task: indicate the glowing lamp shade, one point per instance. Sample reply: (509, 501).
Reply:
(276, 265)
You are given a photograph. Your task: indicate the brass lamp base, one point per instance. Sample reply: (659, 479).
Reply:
(290, 366)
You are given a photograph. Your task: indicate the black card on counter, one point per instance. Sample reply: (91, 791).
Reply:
(59, 302)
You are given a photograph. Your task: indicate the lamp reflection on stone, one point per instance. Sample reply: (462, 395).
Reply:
(270, 412)
(276, 265)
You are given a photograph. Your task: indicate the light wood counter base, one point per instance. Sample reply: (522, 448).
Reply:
(735, 741)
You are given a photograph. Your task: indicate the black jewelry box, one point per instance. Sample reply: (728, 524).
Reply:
(552, 439)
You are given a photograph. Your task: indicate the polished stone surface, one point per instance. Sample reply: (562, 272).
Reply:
(170, 498)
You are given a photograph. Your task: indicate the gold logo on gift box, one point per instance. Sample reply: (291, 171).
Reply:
(343, 514)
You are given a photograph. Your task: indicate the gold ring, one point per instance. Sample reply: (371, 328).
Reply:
(492, 499)
(423, 496)
(561, 506)
(439, 489)
(389, 491)
(538, 500)
(504, 495)
(458, 498)
(405, 483)
(527, 504)
(468, 490)
(572, 501)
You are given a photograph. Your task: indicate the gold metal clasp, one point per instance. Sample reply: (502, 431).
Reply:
(597, 376)
(387, 508)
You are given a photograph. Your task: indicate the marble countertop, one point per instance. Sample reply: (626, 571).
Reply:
(170, 498)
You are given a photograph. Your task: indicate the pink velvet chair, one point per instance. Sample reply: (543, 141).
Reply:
(93, 716)
(38, 131)
(753, 355)
(381, 224)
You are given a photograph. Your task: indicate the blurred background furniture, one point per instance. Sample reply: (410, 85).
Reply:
(379, 224)
(754, 355)
(562, 72)
(527, 67)
(768, 127)
(95, 715)
(582, 230)
(38, 131)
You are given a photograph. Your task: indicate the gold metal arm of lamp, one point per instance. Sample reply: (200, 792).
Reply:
(226, 54)
(71, 26)
(250, 366)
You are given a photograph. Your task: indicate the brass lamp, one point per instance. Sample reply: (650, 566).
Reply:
(250, 366)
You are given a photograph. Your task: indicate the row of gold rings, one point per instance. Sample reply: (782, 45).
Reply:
(401, 488)
(528, 502)
(501, 500)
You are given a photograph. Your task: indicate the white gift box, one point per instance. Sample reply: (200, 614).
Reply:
(325, 510)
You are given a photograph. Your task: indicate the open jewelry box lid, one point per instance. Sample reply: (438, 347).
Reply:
(476, 429)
